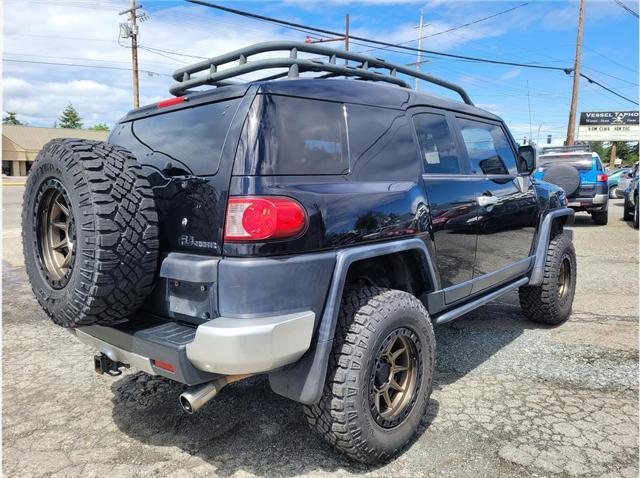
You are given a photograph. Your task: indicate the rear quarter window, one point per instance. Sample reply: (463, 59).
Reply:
(293, 136)
(190, 139)
(381, 144)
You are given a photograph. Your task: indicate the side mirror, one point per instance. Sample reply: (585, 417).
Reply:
(526, 160)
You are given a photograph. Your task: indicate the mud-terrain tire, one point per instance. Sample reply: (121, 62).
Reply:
(601, 218)
(89, 232)
(348, 416)
(550, 302)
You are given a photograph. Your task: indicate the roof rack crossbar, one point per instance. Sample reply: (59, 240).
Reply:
(208, 72)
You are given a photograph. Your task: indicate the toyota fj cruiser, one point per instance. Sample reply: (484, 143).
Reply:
(580, 173)
(310, 229)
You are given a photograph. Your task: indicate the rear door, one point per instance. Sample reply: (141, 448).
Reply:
(187, 154)
(451, 192)
(507, 203)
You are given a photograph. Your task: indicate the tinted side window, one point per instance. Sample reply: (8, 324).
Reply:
(293, 136)
(488, 148)
(381, 144)
(436, 144)
(190, 139)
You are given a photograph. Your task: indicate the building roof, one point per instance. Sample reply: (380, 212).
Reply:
(32, 138)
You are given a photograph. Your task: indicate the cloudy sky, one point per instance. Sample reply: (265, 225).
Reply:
(62, 51)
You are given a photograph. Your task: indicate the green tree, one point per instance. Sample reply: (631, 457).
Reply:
(99, 127)
(11, 118)
(628, 154)
(603, 152)
(70, 118)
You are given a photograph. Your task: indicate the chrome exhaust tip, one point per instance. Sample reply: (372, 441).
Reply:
(194, 398)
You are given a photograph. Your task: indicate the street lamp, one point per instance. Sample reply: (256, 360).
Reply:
(538, 137)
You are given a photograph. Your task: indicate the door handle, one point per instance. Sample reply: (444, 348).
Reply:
(487, 200)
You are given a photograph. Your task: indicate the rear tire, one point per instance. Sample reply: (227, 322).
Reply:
(89, 232)
(601, 217)
(551, 301)
(354, 415)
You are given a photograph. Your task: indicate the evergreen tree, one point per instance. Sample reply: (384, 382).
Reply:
(70, 118)
(11, 119)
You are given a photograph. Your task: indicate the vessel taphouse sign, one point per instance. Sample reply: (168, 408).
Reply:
(609, 126)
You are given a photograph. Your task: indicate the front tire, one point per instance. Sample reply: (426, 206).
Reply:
(612, 192)
(551, 301)
(636, 218)
(380, 375)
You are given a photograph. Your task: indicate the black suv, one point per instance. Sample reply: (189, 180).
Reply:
(313, 230)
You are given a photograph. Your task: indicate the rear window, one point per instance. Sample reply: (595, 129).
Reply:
(190, 139)
(579, 161)
(293, 136)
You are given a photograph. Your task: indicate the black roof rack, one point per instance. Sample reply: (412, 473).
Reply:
(364, 68)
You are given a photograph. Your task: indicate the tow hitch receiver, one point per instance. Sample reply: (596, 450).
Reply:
(104, 364)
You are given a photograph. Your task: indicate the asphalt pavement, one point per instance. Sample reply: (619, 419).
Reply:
(511, 398)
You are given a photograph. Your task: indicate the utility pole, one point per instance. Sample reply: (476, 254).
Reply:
(419, 48)
(529, 102)
(346, 37)
(133, 34)
(576, 79)
(614, 153)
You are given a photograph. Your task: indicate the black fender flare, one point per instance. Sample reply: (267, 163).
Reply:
(304, 380)
(542, 241)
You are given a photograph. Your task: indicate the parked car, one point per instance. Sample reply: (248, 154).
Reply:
(614, 178)
(625, 181)
(630, 211)
(251, 229)
(581, 175)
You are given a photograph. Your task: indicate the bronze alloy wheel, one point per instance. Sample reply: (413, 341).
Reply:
(395, 378)
(55, 233)
(564, 279)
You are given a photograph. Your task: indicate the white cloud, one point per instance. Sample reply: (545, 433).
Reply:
(50, 33)
(511, 74)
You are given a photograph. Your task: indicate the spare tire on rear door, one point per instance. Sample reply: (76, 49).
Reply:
(89, 232)
(564, 175)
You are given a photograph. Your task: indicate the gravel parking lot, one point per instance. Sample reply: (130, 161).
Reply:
(510, 398)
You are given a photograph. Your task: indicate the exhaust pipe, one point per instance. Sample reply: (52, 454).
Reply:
(194, 398)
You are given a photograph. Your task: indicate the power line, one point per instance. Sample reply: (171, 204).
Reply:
(59, 37)
(83, 66)
(611, 76)
(455, 28)
(591, 80)
(629, 10)
(478, 20)
(299, 26)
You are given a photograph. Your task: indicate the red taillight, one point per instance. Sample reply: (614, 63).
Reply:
(164, 365)
(171, 102)
(261, 218)
(602, 178)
